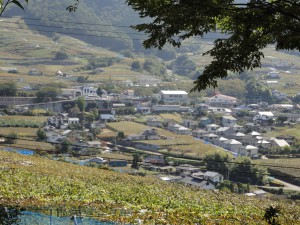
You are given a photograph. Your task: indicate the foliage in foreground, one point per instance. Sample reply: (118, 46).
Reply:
(36, 182)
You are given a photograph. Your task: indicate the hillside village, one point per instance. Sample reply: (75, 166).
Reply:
(191, 116)
(170, 123)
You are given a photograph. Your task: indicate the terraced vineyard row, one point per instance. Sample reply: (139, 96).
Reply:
(37, 182)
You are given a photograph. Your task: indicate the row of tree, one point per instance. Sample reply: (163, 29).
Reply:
(236, 169)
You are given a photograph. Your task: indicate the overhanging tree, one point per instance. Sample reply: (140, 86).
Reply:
(248, 27)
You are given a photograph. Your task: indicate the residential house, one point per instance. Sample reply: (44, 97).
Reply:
(58, 120)
(250, 151)
(279, 95)
(171, 178)
(172, 126)
(239, 136)
(174, 96)
(143, 110)
(228, 121)
(89, 91)
(225, 131)
(168, 169)
(281, 143)
(150, 134)
(218, 110)
(219, 100)
(273, 75)
(263, 144)
(237, 128)
(178, 129)
(221, 142)
(73, 120)
(187, 169)
(212, 127)
(199, 133)
(260, 193)
(135, 137)
(263, 117)
(233, 145)
(182, 131)
(154, 122)
(213, 176)
(212, 138)
(190, 123)
(196, 182)
(107, 117)
(204, 121)
(169, 108)
(94, 144)
(128, 94)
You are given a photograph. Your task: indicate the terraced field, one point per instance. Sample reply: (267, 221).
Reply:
(34, 182)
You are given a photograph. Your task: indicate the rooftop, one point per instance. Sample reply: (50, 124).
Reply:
(174, 92)
(266, 113)
(233, 142)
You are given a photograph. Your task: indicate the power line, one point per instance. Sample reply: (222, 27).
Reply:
(67, 22)
(75, 28)
(94, 35)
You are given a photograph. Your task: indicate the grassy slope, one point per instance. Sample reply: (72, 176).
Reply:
(37, 182)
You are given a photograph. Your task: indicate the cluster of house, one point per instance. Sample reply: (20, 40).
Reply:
(62, 120)
(149, 134)
(184, 173)
(188, 175)
(230, 136)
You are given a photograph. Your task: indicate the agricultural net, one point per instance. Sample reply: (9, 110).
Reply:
(32, 218)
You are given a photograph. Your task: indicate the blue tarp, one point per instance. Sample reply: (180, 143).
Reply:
(32, 218)
(20, 151)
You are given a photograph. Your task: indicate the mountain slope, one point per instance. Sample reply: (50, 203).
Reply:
(93, 20)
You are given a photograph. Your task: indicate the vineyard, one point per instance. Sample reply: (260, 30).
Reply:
(184, 145)
(289, 174)
(34, 182)
(22, 121)
(129, 127)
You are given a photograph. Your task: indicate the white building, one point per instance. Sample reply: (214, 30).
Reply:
(220, 100)
(86, 91)
(263, 117)
(233, 145)
(174, 96)
(228, 121)
(281, 143)
(212, 127)
(213, 176)
(250, 151)
(73, 121)
(89, 91)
